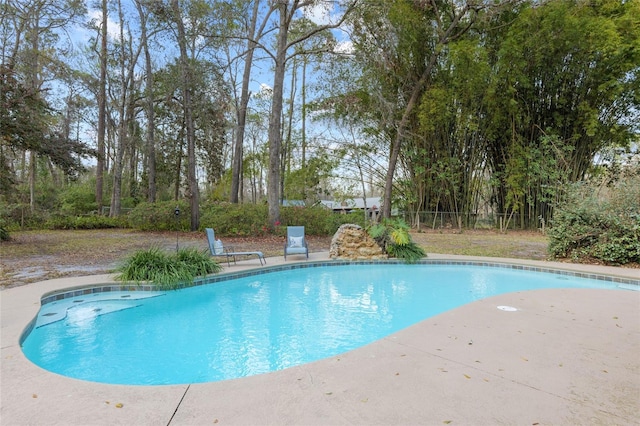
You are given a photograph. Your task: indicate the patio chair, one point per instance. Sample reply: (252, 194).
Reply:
(296, 242)
(216, 248)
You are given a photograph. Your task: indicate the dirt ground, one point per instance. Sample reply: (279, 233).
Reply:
(33, 256)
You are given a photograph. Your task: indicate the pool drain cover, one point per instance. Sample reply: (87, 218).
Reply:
(507, 308)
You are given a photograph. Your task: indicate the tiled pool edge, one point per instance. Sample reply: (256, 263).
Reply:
(507, 265)
(103, 288)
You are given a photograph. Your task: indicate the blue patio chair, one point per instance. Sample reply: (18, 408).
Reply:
(216, 248)
(296, 242)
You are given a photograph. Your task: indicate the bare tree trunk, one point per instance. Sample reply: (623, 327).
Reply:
(126, 112)
(286, 152)
(32, 180)
(397, 141)
(176, 194)
(131, 149)
(286, 12)
(192, 182)
(150, 141)
(275, 139)
(34, 70)
(242, 110)
(304, 113)
(102, 102)
(116, 194)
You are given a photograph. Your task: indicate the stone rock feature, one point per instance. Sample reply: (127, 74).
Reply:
(351, 242)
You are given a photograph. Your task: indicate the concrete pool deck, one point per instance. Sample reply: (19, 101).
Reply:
(564, 357)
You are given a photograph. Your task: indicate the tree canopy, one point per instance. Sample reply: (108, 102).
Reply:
(467, 107)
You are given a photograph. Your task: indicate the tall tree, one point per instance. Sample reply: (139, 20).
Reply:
(102, 106)
(30, 60)
(150, 166)
(241, 109)
(565, 87)
(412, 26)
(194, 192)
(287, 11)
(128, 58)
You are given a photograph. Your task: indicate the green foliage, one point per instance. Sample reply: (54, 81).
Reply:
(525, 100)
(394, 238)
(602, 224)
(167, 271)
(251, 219)
(26, 123)
(317, 220)
(305, 183)
(565, 72)
(20, 216)
(198, 262)
(378, 232)
(79, 199)
(84, 222)
(4, 232)
(338, 220)
(410, 252)
(235, 219)
(160, 216)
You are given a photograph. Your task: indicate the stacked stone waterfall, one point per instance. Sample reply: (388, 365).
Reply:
(351, 242)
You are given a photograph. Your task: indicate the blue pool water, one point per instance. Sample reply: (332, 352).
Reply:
(258, 324)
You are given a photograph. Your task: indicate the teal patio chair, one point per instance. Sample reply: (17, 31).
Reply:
(296, 242)
(216, 248)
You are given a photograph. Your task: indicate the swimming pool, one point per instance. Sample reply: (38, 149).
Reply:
(258, 323)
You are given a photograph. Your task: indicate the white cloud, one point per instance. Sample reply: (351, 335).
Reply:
(319, 13)
(263, 92)
(345, 47)
(265, 88)
(113, 27)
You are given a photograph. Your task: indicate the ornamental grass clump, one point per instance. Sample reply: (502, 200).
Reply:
(167, 271)
(198, 262)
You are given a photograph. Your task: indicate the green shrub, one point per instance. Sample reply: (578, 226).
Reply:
(338, 219)
(317, 220)
(394, 238)
(84, 222)
(599, 224)
(4, 233)
(20, 216)
(160, 216)
(167, 271)
(78, 199)
(252, 219)
(230, 219)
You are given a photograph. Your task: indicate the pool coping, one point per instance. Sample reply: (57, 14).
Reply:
(76, 291)
(351, 389)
